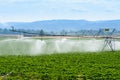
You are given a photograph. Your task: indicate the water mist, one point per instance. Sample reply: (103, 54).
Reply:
(37, 47)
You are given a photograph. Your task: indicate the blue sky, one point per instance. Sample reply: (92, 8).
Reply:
(34, 10)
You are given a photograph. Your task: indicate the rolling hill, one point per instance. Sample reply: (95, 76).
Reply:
(58, 25)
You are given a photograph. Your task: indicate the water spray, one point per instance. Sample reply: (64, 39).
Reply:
(27, 46)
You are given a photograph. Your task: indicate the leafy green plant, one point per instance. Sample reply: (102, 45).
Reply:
(64, 66)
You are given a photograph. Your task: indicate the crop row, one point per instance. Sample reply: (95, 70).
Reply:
(100, 65)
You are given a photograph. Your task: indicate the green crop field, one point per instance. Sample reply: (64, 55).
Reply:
(57, 59)
(63, 66)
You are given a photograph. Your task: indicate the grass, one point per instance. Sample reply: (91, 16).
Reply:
(69, 66)
(7, 37)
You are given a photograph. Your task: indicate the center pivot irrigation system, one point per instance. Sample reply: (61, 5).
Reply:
(22, 32)
(109, 39)
(106, 34)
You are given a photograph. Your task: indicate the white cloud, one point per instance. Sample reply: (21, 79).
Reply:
(55, 9)
(6, 2)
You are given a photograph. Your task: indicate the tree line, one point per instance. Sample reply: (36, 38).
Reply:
(41, 32)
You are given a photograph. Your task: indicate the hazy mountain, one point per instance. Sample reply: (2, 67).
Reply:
(58, 25)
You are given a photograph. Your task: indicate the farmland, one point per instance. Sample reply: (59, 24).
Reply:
(64, 66)
(62, 59)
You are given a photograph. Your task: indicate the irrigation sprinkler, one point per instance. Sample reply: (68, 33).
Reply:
(22, 32)
(109, 40)
(106, 34)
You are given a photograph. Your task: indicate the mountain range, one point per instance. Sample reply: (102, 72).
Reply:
(58, 25)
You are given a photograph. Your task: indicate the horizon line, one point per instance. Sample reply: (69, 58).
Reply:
(59, 19)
